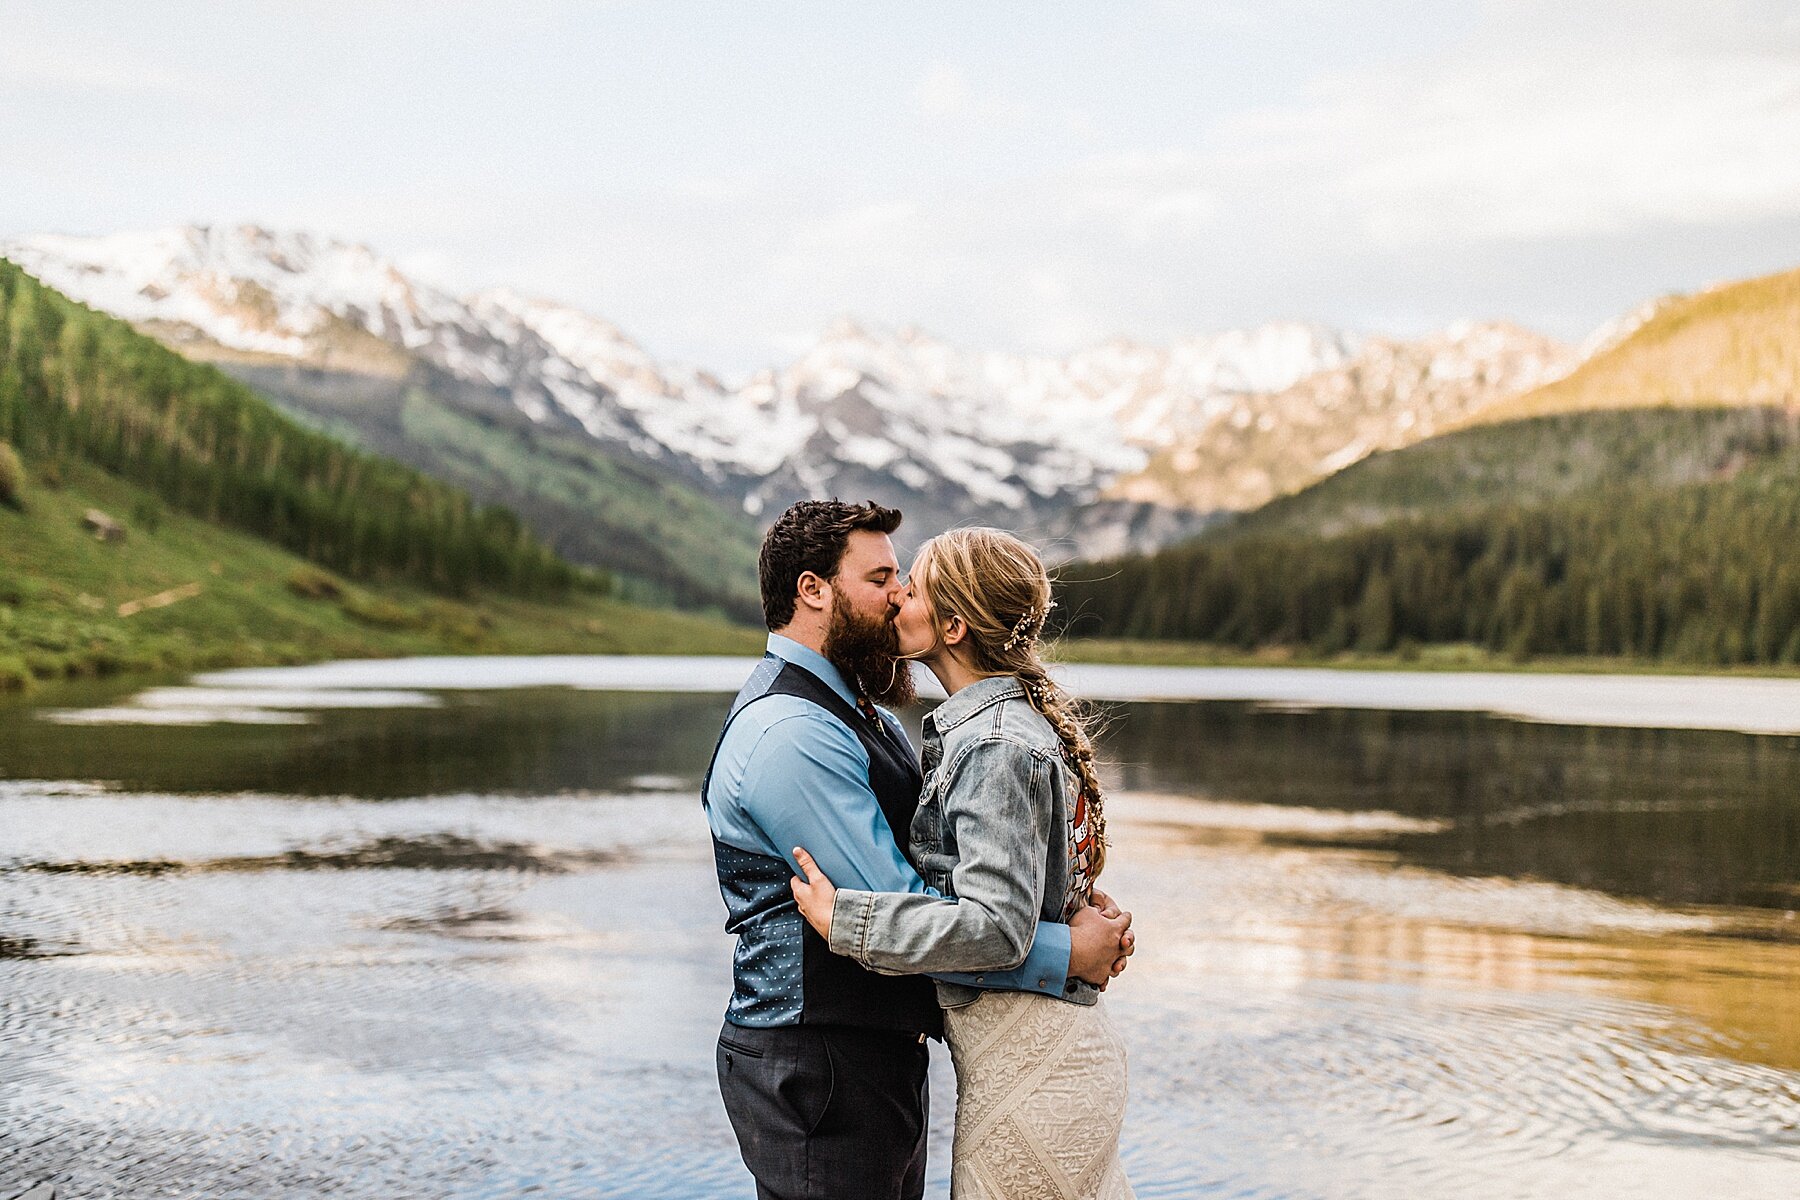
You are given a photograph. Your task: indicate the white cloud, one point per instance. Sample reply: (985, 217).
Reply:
(30, 60)
(869, 227)
(1145, 197)
(1174, 166)
(1569, 144)
(946, 94)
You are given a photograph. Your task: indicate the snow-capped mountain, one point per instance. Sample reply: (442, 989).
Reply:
(1254, 446)
(1118, 446)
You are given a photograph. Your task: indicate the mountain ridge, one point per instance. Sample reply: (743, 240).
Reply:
(1727, 345)
(1095, 451)
(1645, 505)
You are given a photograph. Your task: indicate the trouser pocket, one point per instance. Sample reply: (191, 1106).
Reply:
(826, 1112)
(736, 1046)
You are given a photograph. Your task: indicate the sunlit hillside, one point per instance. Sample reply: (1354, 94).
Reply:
(1645, 506)
(1736, 344)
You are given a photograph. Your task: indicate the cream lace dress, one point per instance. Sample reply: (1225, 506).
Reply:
(1040, 1086)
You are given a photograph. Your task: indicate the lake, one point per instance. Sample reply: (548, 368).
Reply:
(448, 927)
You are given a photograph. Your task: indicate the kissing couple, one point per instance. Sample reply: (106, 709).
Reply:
(879, 899)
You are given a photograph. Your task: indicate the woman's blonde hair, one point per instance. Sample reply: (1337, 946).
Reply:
(997, 584)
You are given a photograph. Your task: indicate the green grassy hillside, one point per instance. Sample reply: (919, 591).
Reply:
(156, 514)
(61, 589)
(80, 385)
(1698, 573)
(1530, 462)
(664, 542)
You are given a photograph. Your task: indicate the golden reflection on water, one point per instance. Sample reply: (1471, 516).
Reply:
(1330, 913)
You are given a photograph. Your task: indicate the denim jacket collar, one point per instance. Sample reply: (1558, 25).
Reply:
(980, 695)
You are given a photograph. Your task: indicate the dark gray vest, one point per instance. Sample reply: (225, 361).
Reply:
(783, 972)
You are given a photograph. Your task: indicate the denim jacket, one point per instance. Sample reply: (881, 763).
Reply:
(991, 835)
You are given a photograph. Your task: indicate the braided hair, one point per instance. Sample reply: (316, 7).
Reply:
(997, 584)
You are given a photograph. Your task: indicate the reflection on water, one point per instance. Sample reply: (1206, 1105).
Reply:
(473, 948)
(528, 740)
(1682, 816)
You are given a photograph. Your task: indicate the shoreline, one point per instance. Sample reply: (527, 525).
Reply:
(520, 639)
(1447, 658)
(1756, 706)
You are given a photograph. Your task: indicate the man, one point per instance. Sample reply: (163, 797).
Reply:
(821, 1063)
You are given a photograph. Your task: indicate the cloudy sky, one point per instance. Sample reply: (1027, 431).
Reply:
(723, 179)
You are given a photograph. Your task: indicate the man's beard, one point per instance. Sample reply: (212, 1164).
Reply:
(868, 653)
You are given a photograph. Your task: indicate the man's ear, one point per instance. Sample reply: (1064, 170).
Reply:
(813, 591)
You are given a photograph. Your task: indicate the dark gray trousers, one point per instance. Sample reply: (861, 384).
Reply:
(825, 1112)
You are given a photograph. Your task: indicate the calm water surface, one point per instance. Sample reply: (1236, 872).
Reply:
(450, 929)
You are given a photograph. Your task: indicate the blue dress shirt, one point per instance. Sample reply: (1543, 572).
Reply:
(789, 774)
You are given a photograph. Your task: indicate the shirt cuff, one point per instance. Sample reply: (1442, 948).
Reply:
(1046, 968)
(851, 913)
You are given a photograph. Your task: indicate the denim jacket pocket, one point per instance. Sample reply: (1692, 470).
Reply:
(935, 868)
(926, 833)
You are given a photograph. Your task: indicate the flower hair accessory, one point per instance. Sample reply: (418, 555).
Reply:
(1029, 626)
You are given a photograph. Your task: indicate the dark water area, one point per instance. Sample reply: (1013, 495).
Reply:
(1673, 815)
(1676, 816)
(398, 938)
(517, 740)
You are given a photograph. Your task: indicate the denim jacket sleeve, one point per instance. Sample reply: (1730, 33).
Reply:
(996, 803)
(808, 786)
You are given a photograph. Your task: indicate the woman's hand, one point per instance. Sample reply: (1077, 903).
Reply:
(815, 894)
(1109, 908)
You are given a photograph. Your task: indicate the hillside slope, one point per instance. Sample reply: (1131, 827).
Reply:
(1647, 506)
(1736, 344)
(1389, 394)
(154, 513)
(220, 597)
(77, 384)
(1529, 462)
(1693, 573)
(663, 541)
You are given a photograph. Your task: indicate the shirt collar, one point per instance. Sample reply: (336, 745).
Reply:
(804, 656)
(970, 700)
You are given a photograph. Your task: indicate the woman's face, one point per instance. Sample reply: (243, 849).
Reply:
(914, 625)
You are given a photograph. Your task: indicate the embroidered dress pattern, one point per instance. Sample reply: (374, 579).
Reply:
(1040, 1098)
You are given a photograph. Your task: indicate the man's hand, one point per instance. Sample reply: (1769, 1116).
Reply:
(815, 894)
(1097, 942)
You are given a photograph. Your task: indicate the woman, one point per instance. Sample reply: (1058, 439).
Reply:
(1009, 831)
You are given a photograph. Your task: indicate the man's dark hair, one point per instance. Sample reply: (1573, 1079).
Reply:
(811, 536)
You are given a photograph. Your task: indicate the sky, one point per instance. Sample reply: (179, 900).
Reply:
(724, 180)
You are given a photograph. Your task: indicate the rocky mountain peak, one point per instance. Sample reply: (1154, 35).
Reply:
(1209, 421)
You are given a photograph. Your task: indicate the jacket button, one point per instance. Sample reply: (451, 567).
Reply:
(981, 979)
(1043, 983)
